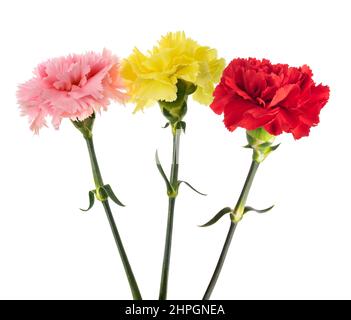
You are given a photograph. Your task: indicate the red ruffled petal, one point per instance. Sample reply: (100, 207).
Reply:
(284, 121)
(302, 130)
(234, 112)
(283, 93)
(246, 114)
(254, 93)
(311, 108)
(221, 97)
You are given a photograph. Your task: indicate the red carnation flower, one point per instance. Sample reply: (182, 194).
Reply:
(254, 94)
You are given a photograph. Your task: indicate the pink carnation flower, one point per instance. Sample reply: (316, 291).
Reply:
(71, 87)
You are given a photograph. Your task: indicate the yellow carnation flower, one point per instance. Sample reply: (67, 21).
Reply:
(153, 77)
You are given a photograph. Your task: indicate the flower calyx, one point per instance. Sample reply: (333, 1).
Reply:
(260, 141)
(85, 126)
(176, 110)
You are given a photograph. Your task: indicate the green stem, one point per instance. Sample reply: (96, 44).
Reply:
(128, 269)
(220, 263)
(171, 205)
(94, 163)
(240, 205)
(99, 183)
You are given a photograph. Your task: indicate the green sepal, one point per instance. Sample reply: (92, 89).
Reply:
(170, 189)
(273, 148)
(259, 136)
(191, 187)
(247, 209)
(181, 125)
(190, 88)
(174, 114)
(260, 141)
(91, 200)
(112, 195)
(85, 126)
(166, 125)
(175, 110)
(218, 216)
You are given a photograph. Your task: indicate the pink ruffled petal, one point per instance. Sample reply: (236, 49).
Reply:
(71, 87)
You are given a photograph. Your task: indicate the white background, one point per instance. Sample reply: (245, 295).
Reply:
(51, 250)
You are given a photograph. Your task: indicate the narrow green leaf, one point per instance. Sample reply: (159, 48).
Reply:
(247, 209)
(160, 169)
(191, 187)
(218, 216)
(91, 200)
(112, 195)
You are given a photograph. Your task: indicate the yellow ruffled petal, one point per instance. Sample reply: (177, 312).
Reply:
(204, 76)
(142, 104)
(148, 89)
(127, 71)
(204, 95)
(137, 61)
(216, 69)
(205, 54)
(177, 40)
(188, 72)
(153, 76)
